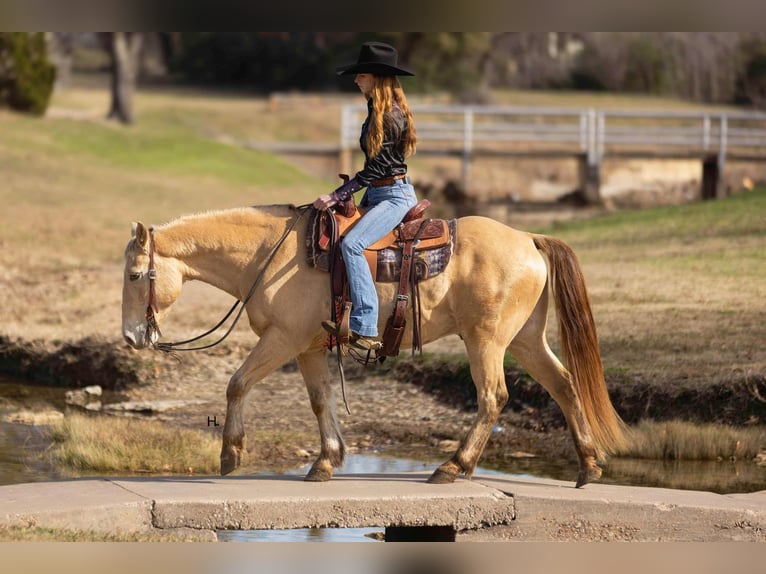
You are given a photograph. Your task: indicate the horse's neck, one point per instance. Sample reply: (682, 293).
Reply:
(217, 248)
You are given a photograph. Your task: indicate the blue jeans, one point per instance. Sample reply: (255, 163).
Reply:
(387, 206)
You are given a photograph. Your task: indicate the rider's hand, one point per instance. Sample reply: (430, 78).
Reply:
(324, 202)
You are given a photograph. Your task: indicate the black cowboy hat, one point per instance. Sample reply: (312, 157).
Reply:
(375, 58)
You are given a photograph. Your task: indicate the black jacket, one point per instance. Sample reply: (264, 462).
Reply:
(390, 159)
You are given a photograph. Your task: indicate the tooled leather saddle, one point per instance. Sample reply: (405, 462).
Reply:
(417, 249)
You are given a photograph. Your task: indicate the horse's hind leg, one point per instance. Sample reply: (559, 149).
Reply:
(271, 352)
(316, 374)
(531, 349)
(486, 360)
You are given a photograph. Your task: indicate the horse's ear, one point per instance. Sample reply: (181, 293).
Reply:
(141, 234)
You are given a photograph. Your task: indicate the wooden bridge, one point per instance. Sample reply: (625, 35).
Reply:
(585, 134)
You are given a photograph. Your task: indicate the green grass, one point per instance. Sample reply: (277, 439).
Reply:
(738, 216)
(78, 183)
(678, 291)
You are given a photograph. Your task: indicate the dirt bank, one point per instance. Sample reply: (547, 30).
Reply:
(414, 407)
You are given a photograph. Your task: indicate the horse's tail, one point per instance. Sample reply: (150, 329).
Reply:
(579, 343)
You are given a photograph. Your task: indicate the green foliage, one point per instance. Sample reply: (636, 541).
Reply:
(451, 61)
(26, 75)
(752, 83)
(265, 61)
(646, 66)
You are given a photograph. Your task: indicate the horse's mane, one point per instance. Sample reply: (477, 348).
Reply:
(253, 214)
(179, 240)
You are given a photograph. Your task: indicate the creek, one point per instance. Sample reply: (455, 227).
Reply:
(22, 457)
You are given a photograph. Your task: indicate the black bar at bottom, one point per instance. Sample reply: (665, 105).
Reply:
(420, 534)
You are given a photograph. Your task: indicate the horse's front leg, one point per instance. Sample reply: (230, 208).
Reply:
(316, 374)
(271, 352)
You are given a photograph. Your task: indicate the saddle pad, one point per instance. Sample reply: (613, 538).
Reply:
(429, 261)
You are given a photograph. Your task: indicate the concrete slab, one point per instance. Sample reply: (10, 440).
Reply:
(82, 504)
(253, 502)
(248, 503)
(489, 508)
(555, 510)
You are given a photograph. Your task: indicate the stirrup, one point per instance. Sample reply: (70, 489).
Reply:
(331, 327)
(364, 343)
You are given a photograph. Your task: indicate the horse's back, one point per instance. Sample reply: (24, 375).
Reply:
(484, 242)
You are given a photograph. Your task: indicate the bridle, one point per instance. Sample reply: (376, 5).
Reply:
(151, 307)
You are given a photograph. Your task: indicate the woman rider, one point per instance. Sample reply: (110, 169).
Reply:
(388, 137)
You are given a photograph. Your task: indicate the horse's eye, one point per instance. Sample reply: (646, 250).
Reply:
(134, 276)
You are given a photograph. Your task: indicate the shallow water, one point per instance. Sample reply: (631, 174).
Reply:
(22, 457)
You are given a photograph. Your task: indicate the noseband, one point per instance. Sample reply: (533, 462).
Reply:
(151, 307)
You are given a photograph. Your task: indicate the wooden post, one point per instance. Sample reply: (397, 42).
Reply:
(467, 148)
(590, 162)
(711, 177)
(345, 153)
(720, 191)
(590, 179)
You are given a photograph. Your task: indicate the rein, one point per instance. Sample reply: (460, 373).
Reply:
(151, 308)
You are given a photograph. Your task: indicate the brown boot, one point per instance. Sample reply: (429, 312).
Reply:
(354, 339)
(364, 343)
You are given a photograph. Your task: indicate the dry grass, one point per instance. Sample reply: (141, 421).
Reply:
(679, 440)
(126, 445)
(37, 534)
(678, 291)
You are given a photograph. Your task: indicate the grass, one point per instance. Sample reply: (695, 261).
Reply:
(106, 444)
(79, 183)
(680, 440)
(38, 534)
(678, 291)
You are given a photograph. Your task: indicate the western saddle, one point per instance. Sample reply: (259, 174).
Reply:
(416, 249)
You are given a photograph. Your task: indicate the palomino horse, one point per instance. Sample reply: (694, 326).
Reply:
(493, 294)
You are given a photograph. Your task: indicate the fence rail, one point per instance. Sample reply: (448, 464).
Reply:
(590, 131)
(589, 134)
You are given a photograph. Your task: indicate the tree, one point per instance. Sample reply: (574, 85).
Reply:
(125, 50)
(26, 75)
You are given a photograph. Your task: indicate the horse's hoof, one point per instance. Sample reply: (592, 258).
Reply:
(441, 476)
(318, 475)
(587, 475)
(230, 460)
(321, 471)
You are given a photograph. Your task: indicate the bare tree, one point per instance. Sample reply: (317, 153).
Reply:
(124, 49)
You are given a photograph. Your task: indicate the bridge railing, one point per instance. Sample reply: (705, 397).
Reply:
(589, 134)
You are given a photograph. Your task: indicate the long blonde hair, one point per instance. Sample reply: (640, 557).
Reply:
(386, 90)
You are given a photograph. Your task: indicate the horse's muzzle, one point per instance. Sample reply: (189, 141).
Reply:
(140, 339)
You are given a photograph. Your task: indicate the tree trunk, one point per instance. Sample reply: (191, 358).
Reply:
(124, 48)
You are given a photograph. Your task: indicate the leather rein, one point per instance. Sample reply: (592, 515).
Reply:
(151, 307)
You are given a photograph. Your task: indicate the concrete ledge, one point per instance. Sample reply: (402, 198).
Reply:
(487, 508)
(83, 504)
(247, 503)
(555, 510)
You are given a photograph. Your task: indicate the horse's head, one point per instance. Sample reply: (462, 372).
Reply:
(151, 284)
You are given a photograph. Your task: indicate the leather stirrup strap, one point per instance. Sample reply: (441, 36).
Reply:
(403, 292)
(417, 316)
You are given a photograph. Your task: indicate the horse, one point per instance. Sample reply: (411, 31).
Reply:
(494, 294)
